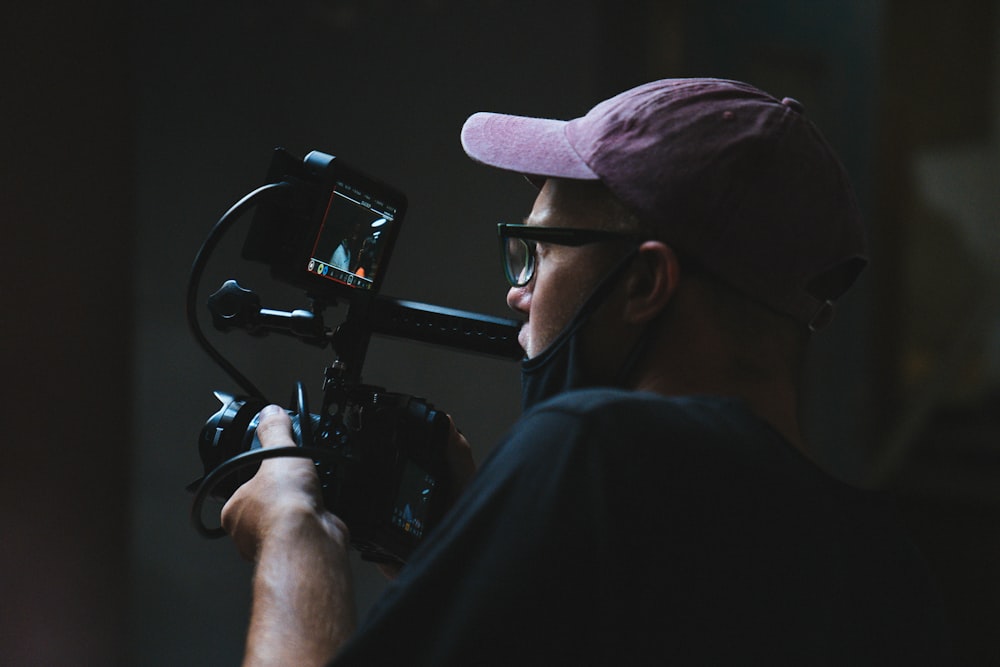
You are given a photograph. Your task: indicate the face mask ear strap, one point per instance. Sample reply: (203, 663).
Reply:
(583, 313)
(636, 354)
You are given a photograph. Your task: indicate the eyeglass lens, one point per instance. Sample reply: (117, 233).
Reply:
(519, 258)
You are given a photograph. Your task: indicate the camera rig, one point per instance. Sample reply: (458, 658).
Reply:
(327, 228)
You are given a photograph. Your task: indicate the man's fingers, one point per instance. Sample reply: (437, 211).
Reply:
(274, 428)
(458, 454)
(262, 502)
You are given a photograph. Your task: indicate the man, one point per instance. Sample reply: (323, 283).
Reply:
(656, 502)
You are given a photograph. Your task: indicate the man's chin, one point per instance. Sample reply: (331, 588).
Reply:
(526, 347)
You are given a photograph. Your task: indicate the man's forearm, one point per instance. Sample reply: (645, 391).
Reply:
(303, 601)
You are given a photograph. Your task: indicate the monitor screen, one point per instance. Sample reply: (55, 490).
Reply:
(352, 238)
(409, 513)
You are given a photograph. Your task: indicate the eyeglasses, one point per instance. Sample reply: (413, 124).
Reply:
(518, 242)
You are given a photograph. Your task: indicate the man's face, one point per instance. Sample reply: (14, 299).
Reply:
(564, 276)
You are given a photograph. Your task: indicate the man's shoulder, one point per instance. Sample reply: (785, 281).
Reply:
(622, 426)
(640, 416)
(710, 438)
(594, 402)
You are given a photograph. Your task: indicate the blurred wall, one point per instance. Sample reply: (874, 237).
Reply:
(938, 324)
(67, 190)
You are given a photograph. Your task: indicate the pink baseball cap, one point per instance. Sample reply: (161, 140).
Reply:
(732, 176)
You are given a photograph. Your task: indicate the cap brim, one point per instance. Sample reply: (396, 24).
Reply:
(535, 147)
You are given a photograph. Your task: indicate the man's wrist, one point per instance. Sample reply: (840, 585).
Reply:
(303, 608)
(298, 521)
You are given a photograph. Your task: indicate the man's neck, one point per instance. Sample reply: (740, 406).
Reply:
(776, 405)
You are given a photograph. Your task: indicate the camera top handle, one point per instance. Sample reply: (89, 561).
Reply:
(233, 306)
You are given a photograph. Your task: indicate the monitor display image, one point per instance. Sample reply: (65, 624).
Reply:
(352, 238)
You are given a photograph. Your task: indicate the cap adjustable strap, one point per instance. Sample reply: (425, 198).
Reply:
(823, 316)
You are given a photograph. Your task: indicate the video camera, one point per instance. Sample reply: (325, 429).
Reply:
(325, 227)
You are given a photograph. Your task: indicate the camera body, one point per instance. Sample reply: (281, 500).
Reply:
(382, 467)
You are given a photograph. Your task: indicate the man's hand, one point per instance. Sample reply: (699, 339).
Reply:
(303, 607)
(284, 488)
(458, 454)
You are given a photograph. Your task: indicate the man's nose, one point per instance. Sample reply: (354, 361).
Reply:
(519, 299)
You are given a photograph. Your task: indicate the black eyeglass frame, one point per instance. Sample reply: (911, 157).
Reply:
(566, 236)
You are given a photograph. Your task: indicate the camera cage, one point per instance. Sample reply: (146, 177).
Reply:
(308, 209)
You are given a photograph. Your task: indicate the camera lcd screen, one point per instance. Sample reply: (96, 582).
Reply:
(353, 238)
(409, 513)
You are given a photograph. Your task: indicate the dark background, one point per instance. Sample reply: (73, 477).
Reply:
(129, 127)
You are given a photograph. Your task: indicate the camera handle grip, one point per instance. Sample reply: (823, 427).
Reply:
(457, 329)
(234, 307)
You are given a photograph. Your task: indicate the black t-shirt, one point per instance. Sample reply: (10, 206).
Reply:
(614, 527)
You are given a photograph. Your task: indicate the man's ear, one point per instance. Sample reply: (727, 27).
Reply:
(652, 281)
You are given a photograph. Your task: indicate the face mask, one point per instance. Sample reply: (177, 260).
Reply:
(560, 366)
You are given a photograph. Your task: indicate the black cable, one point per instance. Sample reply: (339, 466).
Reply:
(251, 457)
(242, 460)
(198, 267)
